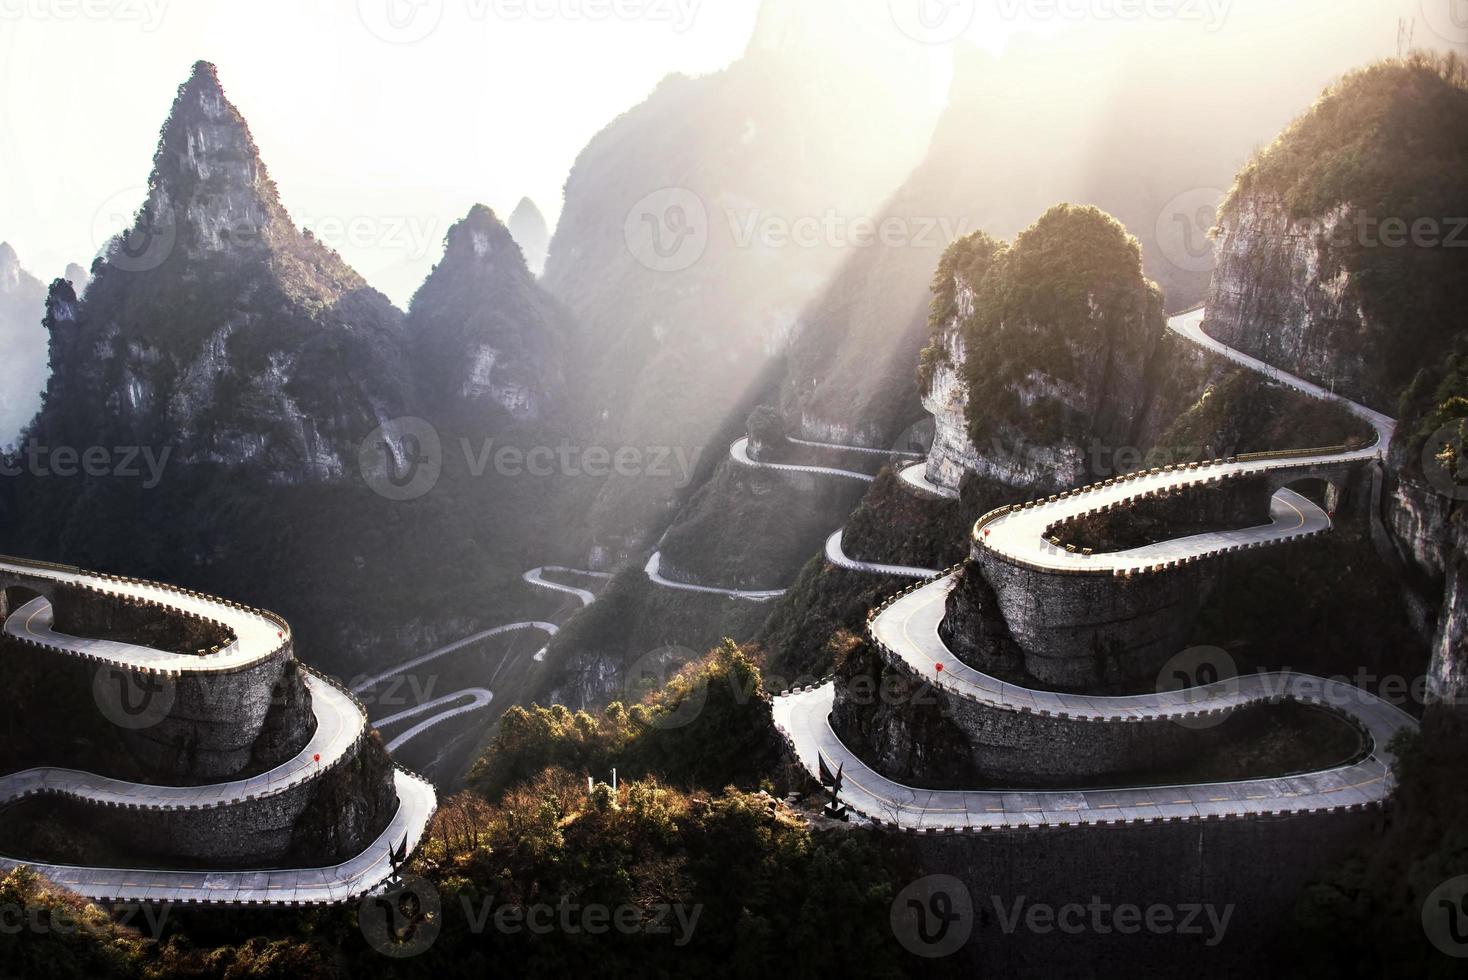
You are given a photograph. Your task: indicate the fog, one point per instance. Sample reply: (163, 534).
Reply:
(383, 120)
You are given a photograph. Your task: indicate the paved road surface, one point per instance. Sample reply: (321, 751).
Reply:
(345, 882)
(908, 630)
(339, 723)
(654, 572)
(549, 629)
(917, 477)
(803, 718)
(536, 577)
(739, 452)
(475, 698)
(854, 449)
(836, 555)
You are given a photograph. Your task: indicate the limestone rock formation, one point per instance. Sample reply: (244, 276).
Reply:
(487, 339)
(216, 321)
(1043, 350)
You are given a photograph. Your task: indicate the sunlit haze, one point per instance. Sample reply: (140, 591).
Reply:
(380, 137)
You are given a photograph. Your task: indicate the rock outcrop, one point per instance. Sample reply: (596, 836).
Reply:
(215, 321)
(488, 340)
(1039, 355)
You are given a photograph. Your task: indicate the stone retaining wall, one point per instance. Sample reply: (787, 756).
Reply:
(1259, 867)
(1084, 631)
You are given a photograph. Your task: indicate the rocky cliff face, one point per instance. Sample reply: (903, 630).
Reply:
(488, 340)
(1334, 265)
(1037, 359)
(1279, 294)
(532, 234)
(216, 322)
(23, 367)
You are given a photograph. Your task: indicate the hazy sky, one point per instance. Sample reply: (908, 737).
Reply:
(382, 121)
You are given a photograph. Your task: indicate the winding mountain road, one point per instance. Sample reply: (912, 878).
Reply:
(340, 723)
(916, 477)
(836, 555)
(654, 573)
(478, 698)
(907, 630)
(739, 452)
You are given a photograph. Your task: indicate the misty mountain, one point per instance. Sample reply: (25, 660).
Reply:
(487, 339)
(677, 249)
(532, 234)
(23, 368)
(215, 325)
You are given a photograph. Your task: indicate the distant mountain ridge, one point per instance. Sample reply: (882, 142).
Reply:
(23, 366)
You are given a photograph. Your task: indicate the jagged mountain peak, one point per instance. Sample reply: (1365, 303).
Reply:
(481, 238)
(489, 339)
(532, 233)
(209, 191)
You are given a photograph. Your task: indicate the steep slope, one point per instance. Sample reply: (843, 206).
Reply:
(215, 324)
(1337, 260)
(1056, 346)
(1077, 117)
(1316, 274)
(1340, 256)
(23, 367)
(245, 389)
(531, 233)
(488, 340)
(675, 249)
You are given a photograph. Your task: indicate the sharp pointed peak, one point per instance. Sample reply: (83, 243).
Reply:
(482, 214)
